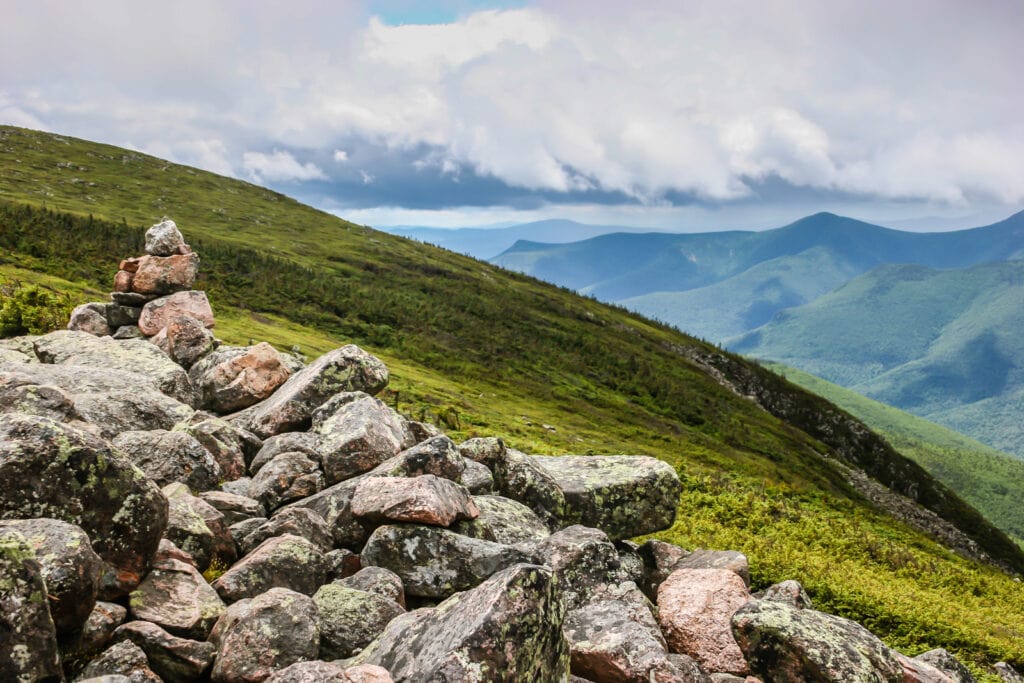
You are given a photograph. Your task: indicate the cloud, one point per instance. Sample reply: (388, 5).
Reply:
(279, 166)
(594, 102)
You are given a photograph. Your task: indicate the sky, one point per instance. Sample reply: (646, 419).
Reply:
(684, 115)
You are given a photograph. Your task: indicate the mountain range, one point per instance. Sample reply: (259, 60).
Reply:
(800, 486)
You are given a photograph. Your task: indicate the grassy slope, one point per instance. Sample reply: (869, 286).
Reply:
(932, 342)
(506, 354)
(988, 479)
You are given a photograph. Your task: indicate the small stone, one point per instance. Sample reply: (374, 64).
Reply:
(91, 318)
(945, 662)
(789, 592)
(477, 478)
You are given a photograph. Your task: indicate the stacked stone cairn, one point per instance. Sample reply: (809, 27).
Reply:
(177, 509)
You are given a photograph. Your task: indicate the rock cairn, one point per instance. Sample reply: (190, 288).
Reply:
(184, 511)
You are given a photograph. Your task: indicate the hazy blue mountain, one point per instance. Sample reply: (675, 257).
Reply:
(487, 242)
(942, 344)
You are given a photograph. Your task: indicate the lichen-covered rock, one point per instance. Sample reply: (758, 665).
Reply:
(53, 470)
(282, 561)
(158, 312)
(188, 340)
(377, 580)
(789, 592)
(783, 643)
(165, 274)
(507, 629)
(488, 451)
(187, 527)
(695, 608)
(301, 442)
(19, 393)
(434, 562)
(424, 500)
(164, 239)
(616, 639)
(125, 659)
(1007, 673)
(96, 633)
(28, 648)
(90, 318)
(351, 619)
(234, 507)
(119, 315)
(110, 402)
(916, 671)
(623, 495)
(268, 633)
(288, 477)
(232, 378)
(230, 446)
(438, 456)
(519, 477)
(296, 521)
(716, 559)
(502, 520)
(174, 659)
(291, 407)
(167, 457)
(360, 435)
(584, 560)
(66, 347)
(331, 672)
(343, 563)
(945, 662)
(70, 567)
(176, 597)
(477, 478)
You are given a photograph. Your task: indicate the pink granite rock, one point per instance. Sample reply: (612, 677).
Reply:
(165, 274)
(158, 312)
(695, 612)
(425, 499)
(243, 380)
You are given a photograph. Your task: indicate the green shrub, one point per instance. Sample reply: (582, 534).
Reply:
(30, 309)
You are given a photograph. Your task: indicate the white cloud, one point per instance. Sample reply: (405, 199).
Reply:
(279, 166)
(891, 100)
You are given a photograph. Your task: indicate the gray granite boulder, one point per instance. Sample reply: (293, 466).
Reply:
(53, 470)
(168, 457)
(584, 560)
(174, 659)
(280, 562)
(507, 629)
(732, 560)
(288, 477)
(28, 650)
(233, 507)
(302, 522)
(187, 528)
(301, 442)
(90, 318)
(351, 619)
(377, 580)
(164, 239)
(502, 520)
(945, 662)
(270, 632)
(188, 340)
(520, 477)
(784, 643)
(360, 435)
(348, 368)
(434, 562)
(229, 445)
(477, 478)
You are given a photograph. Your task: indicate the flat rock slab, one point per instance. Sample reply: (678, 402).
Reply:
(507, 629)
(424, 500)
(434, 562)
(623, 495)
(783, 643)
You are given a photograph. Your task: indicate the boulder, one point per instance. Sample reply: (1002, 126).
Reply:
(488, 451)
(90, 318)
(788, 592)
(784, 643)
(351, 619)
(360, 435)
(502, 520)
(297, 521)
(19, 394)
(167, 457)
(232, 378)
(268, 633)
(916, 671)
(343, 563)
(377, 580)
(437, 455)
(123, 659)
(477, 478)
(301, 442)
(65, 347)
(175, 660)
(695, 608)
(233, 507)
(617, 639)
(331, 672)
(230, 446)
(425, 499)
(945, 662)
(187, 527)
(176, 597)
(623, 495)
(291, 407)
(282, 561)
(28, 648)
(288, 477)
(158, 312)
(119, 315)
(165, 274)
(54, 470)
(434, 562)
(164, 239)
(507, 629)
(188, 340)
(519, 477)
(96, 633)
(732, 560)
(1007, 673)
(70, 568)
(584, 560)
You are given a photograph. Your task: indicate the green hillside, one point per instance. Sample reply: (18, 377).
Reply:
(988, 479)
(485, 351)
(942, 344)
